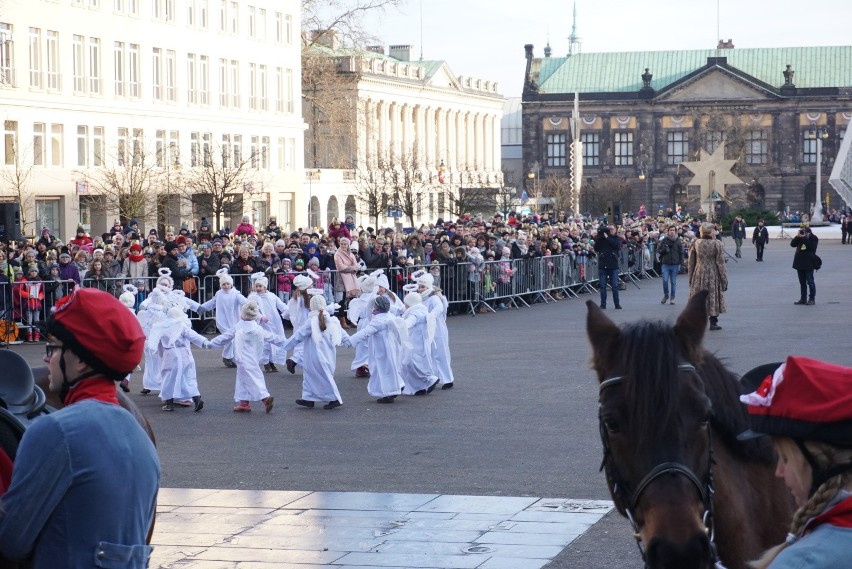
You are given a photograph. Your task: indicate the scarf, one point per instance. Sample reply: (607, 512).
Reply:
(97, 388)
(839, 515)
(136, 258)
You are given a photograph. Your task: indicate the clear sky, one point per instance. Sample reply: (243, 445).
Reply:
(485, 38)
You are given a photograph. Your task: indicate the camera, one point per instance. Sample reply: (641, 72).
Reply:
(603, 230)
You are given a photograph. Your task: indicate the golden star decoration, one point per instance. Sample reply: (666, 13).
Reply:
(712, 173)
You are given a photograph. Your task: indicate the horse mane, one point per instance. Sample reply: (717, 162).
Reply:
(652, 351)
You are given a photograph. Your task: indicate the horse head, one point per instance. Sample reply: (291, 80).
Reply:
(655, 428)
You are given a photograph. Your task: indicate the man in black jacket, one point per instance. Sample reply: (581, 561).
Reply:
(805, 262)
(738, 232)
(670, 249)
(607, 247)
(760, 238)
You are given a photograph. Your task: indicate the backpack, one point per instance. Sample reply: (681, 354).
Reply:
(817, 262)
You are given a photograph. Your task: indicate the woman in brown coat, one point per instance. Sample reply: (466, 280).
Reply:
(707, 272)
(346, 262)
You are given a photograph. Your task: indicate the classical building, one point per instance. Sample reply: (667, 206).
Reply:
(403, 129)
(781, 112)
(165, 87)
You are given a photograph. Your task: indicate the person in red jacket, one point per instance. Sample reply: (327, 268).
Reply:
(31, 290)
(82, 240)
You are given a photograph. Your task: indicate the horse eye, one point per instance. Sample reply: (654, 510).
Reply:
(612, 425)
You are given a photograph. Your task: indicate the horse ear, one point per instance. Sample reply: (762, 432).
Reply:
(691, 325)
(603, 335)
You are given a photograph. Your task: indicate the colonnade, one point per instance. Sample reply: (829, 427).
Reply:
(464, 140)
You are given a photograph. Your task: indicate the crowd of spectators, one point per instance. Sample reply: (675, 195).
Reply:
(478, 260)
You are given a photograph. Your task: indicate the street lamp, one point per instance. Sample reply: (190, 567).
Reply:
(819, 136)
(643, 176)
(532, 175)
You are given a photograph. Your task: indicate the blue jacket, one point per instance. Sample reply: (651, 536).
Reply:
(83, 492)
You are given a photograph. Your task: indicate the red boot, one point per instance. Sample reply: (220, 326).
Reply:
(243, 407)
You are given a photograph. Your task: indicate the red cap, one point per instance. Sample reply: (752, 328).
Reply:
(180, 240)
(806, 399)
(99, 330)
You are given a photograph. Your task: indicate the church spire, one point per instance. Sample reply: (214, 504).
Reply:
(573, 39)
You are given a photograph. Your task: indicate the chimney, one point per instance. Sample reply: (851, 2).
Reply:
(380, 49)
(400, 52)
(328, 38)
(725, 44)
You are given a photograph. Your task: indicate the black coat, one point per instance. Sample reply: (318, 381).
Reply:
(805, 256)
(607, 247)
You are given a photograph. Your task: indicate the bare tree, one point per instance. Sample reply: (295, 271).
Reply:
(471, 200)
(408, 185)
(333, 34)
(129, 183)
(372, 187)
(221, 177)
(558, 189)
(17, 180)
(507, 199)
(600, 191)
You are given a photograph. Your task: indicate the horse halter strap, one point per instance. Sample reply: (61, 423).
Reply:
(631, 501)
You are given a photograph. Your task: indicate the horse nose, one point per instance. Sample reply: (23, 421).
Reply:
(662, 553)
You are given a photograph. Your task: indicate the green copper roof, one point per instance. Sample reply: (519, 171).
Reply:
(622, 72)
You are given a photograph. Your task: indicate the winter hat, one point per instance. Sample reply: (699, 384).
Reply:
(165, 281)
(246, 219)
(171, 246)
(426, 280)
(114, 354)
(300, 262)
(367, 283)
(280, 243)
(381, 304)
(412, 298)
(152, 232)
(65, 256)
(803, 399)
(80, 230)
(260, 278)
(302, 282)
(317, 303)
(224, 277)
(313, 261)
(52, 266)
(32, 269)
(249, 311)
(353, 246)
(128, 297)
(136, 248)
(180, 240)
(382, 281)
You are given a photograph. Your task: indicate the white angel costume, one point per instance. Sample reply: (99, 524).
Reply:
(151, 311)
(320, 354)
(297, 312)
(386, 336)
(359, 313)
(171, 337)
(273, 309)
(227, 304)
(417, 362)
(437, 306)
(248, 339)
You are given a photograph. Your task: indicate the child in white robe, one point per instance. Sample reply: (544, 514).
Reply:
(172, 337)
(151, 311)
(437, 304)
(227, 303)
(128, 299)
(297, 313)
(359, 313)
(387, 337)
(417, 362)
(321, 335)
(248, 339)
(271, 310)
(383, 289)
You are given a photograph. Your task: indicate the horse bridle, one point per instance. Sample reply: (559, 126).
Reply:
(628, 502)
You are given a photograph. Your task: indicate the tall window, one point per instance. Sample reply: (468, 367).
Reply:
(138, 147)
(157, 74)
(118, 68)
(194, 149)
(809, 149)
(98, 146)
(252, 22)
(223, 83)
(713, 139)
(206, 148)
(226, 150)
(203, 14)
(121, 146)
(262, 93)
(288, 30)
(7, 67)
(591, 148)
(255, 151)
(38, 144)
(288, 90)
(174, 148)
(623, 148)
(204, 80)
(757, 147)
(82, 145)
(235, 18)
(79, 64)
(171, 75)
(10, 141)
(235, 84)
(36, 78)
(677, 147)
(223, 16)
(264, 152)
(160, 148)
(94, 65)
(279, 27)
(238, 150)
(279, 82)
(56, 146)
(133, 61)
(261, 24)
(53, 60)
(253, 86)
(556, 146)
(191, 85)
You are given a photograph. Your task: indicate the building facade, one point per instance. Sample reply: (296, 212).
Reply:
(410, 127)
(780, 112)
(93, 88)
